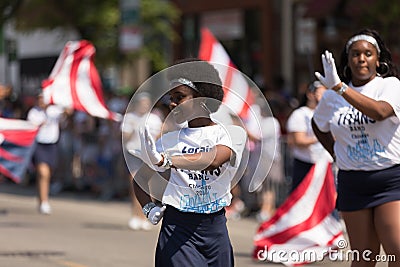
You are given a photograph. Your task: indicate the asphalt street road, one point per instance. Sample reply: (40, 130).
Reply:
(85, 232)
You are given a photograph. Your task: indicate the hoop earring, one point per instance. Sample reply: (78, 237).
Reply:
(386, 68)
(203, 105)
(345, 72)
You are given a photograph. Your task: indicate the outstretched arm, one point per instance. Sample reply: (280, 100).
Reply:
(201, 160)
(375, 109)
(204, 160)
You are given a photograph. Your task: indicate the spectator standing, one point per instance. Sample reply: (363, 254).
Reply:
(265, 131)
(137, 116)
(270, 192)
(5, 91)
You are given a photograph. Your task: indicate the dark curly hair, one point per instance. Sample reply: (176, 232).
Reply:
(203, 75)
(385, 70)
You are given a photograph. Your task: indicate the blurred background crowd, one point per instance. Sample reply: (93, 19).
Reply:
(276, 43)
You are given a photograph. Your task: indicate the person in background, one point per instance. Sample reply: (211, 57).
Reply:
(264, 132)
(5, 91)
(45, 157)
(63, 173)
(304, 146)
(202, 159)
(269, 193)
(358, 122)
(86, 151)
(112, 176)
(137, 116)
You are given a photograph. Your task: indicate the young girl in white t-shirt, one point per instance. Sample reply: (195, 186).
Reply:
(201, 160)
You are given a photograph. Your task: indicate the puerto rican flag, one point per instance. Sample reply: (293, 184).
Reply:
(17, 143)
(303, 229)
(238, 95)
(75, 83)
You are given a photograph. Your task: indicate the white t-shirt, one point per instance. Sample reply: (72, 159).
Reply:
(202, 191)
(361, 142)
(300, 121)
(266, 129)
(223, 115)
(271, 134)
(48, 120)
(133, 122)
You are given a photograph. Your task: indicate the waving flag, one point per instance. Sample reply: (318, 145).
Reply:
(75, 83)
(303, 229)
(17, 140)
(238, 96)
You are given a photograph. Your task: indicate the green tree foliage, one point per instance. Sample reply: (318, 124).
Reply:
(97, 21)
(383, 15)
(156, 19)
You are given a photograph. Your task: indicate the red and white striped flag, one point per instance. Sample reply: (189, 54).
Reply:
(303, 229)
(75, 83)
(17, 142)
(238, 96)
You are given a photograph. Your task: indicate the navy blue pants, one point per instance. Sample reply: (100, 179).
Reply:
(192, 239)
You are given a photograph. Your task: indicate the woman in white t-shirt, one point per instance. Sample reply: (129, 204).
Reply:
(202, 159)
(304, 146)
(359, 125)
(138, 114)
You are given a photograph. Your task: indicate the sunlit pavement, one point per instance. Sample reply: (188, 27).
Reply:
(86, 232)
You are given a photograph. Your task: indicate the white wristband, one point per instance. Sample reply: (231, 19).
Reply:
(147, 208)
(342, 89)
(167, 163)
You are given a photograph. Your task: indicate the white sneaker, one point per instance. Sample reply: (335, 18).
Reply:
(146, 225)
(263, 216)
(136, 223)
(45, 208)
